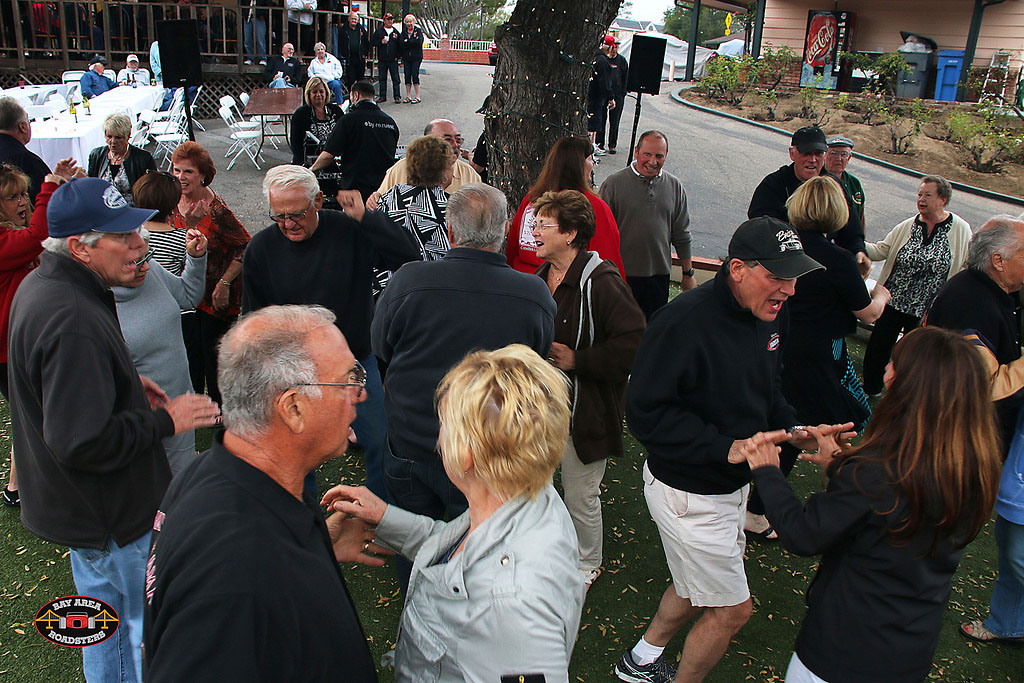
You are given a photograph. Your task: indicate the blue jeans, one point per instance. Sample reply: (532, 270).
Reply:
(422, 487)
(257, 27)
(117, 576)
(371, 428)
(1006, 610)
(384, 69)
(338, 90)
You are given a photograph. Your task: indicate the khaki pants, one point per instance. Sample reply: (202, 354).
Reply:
(582, 486)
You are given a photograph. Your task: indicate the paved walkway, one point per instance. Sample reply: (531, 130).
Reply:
(719, 161)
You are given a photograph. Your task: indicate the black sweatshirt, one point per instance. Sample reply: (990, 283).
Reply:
(874, 609)
(706, 374)
(90, 463)
(332, 268)
(769, 199)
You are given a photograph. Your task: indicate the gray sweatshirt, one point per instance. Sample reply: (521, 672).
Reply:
(150, 317)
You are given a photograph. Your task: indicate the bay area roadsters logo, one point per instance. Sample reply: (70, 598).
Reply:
(76, 621)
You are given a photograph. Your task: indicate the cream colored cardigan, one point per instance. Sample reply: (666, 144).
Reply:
(888, 248)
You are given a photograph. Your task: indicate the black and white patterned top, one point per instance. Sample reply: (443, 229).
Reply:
(120, 181)
(421, 211)
(921, 268)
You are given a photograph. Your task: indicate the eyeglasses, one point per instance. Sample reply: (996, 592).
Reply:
(149, 255)
(841, 155)
(293, 217)
(545, 226)
(454, 138)
(356, 376)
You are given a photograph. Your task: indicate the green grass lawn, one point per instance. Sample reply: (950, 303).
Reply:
(616, 612)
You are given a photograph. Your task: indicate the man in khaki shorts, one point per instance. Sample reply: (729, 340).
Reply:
(705, 379)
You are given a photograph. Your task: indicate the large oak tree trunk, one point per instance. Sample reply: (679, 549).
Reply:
(545, 60)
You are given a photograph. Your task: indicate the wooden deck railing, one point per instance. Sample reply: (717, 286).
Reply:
(44, 35)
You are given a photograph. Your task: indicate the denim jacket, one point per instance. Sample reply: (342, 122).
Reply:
(508, 604)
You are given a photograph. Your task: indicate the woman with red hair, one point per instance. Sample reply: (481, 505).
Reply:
(201, 208)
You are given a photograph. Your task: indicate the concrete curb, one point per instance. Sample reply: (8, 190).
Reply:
(961, 187)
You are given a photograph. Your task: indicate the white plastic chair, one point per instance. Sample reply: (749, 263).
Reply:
(41, 112)
(71, 76)
(111, 74)
(192, 109)
(247, 141)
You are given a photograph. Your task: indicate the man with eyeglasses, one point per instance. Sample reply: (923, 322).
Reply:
(242, 581)
(807, 152)
(463, 173)
(318, 256)
(87, 427)
(840, 151)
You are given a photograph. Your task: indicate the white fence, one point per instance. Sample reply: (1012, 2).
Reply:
(479, 45)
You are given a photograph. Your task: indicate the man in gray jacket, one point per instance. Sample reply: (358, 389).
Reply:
(649, 205)
(87, 427)
(430, 316)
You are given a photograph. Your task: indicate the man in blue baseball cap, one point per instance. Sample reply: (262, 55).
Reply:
(87, 427)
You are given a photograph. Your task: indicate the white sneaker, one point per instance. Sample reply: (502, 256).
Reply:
(599, 151)
(248, 61)
(589, 577)
(263, 62)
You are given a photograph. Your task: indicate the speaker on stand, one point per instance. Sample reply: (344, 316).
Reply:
(180, 59)
(646, 62)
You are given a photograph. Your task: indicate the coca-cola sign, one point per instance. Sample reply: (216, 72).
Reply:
(821, 40)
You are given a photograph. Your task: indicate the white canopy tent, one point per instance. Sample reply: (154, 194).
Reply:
(675, 55)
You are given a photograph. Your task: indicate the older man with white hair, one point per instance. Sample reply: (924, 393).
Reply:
(132, 74)
(982, 297)
(87, 427)
(318, 256)
(241, 582)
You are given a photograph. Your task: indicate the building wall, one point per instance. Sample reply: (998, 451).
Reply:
(879, 23)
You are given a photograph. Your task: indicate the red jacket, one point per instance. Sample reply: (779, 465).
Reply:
(521, 252)
(19, 252)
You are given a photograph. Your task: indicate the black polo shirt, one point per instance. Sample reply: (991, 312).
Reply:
(242, 584)
(365, 140)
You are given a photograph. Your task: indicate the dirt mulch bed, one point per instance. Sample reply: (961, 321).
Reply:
(927, 153)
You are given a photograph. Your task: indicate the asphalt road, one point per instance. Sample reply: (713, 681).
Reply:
(719, 161)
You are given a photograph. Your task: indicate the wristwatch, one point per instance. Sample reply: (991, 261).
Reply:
(689, 273)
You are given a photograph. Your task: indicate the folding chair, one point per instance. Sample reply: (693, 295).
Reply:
(266, 122)
(247, 141)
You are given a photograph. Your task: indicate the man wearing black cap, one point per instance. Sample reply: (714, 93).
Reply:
(706, 378)
(840, 151)
(808, 155)
(87, 427)
(93, 81)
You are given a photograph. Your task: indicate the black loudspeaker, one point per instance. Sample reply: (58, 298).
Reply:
(179, 52)
(646, 61)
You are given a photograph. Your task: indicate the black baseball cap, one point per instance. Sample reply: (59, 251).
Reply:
(98, 59)
(809, 138)
(774, 244)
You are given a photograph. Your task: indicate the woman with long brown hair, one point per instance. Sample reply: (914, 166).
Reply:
(568, 166)
(898, 511)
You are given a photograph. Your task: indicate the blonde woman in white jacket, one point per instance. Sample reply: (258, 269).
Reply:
(920, 254)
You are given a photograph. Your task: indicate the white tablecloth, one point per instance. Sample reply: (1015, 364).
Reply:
(37, 93)
(60, 138)
(126, 99)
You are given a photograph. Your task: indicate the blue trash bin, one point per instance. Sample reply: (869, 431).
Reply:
(947, 77)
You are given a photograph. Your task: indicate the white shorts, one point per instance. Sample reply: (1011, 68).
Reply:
(703, 540)
(799, 673)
